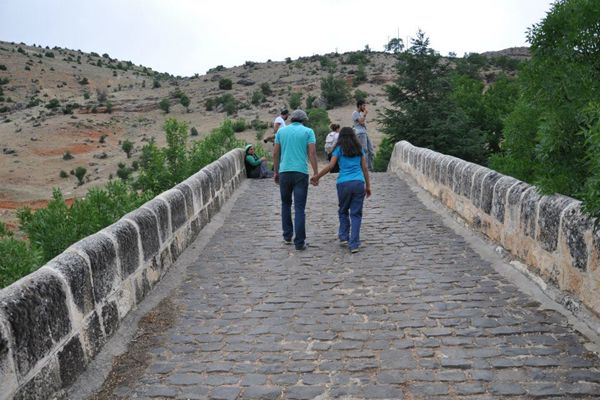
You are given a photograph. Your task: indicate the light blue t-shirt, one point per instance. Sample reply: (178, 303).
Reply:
(350, 167)
(294, 140)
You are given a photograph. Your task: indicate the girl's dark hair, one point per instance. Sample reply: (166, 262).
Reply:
(334, 127)
(349, 143)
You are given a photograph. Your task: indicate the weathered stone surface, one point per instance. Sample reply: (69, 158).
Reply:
(448, 178)
(213, 170)
(103, 264)
(466, 179)
(575, 224)
(529, 209)
(148, 228)
(8, 375)
(195, 184)
(110, 318)
(487, 191)
(176, 202)
(457, 179)
(93, 335)
(142, 287)
(77, 272)
(72, 361)
(128, 251)
(44, 385)
(500, 196)
(477, 185)
(208, 190)
(551, 208)
(188, 195)
(160, 208)
(37, 315)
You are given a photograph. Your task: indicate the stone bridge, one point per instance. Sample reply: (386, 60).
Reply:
(429, 307)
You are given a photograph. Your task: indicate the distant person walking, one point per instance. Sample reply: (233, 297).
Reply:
(330, 142)
(278, 123)
(353, 183)
(359, 120)
(294, 144)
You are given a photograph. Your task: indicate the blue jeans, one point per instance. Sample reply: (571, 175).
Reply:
(367, 146)
(351, 196)
(293, 184)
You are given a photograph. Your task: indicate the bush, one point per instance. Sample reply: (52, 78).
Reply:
(194, 131)
(185, 101)
(258, 97)
(360, 95)
(67, 156)
(310, 99)
(239, 125)
(335, 91)
(218, 68)
(155, 84)
(225, 84)
(49, 54)
(360, 76)
(266, 89)
(2, 67)
(18, 259)
(228, 102)
(295, 100)
(80, 174)
(53, 104)
(319, 121)
(101, 95)
(127, 147)
(165, 105)
(84, 81)
(86, 95)
(356, 58)
(63, 174)
(382, 158)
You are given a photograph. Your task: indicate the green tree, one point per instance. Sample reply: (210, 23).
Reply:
(335, 91)
(80, 174)
(319, 121)
(395, 45)
(185, 101)
(127, 147)
(295, 100)
(225, 84)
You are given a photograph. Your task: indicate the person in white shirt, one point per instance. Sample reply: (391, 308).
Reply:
(278, 123)
(330, 142)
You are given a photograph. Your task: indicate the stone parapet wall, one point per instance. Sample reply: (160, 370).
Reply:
(551, 234)
(55, 320)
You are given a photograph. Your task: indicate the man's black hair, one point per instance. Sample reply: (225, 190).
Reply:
(360, 102)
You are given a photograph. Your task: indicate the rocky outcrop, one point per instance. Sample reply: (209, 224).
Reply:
(55, 320)
(550, 234)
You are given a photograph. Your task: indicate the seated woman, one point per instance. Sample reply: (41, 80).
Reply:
(256, 168)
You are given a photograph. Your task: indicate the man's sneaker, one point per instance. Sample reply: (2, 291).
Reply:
(287, 241)
(303, 247)
(354, 250)
(343, 243)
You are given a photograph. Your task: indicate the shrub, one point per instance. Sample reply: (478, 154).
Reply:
(103, 139)
(295, 100)
(319, 121)
(155, 84)
(360, 95)
(209, 104)
(382, 158)
(101, 95)
(49, 54)
(80, 174)
(239, 125)
(53, 104)
(63, 174)
(86, 95)
(18, 259)
(109, 107)
(123, 172)
(266, 89)
(258, 97)
(84, 81)
(310, 100)
(194, 131)
(3, 81)
(127, 147)
(225, 84)
(335, 91)
(2, 67)
(34, 101)
(228, 102)
(360, 76)
(185, 101)
(165, 105)
(218, 68)
(356, 58)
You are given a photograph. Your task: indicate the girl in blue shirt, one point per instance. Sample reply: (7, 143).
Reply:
(352, 185)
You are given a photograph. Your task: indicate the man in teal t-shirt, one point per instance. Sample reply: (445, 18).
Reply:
(294, 145)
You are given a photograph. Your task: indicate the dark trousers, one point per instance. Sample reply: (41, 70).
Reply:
(351, 196)
(293, 185)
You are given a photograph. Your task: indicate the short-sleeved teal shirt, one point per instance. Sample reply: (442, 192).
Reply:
(350, 167)
(294, 140)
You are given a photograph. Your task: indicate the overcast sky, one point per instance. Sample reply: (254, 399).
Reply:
(184, 37)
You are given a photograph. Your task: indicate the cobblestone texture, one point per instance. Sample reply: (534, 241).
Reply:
(416, 314)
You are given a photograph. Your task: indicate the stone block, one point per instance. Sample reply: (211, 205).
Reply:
(466, 180)
(103, 263)
(110, 318)
(142, 287)
(37, 317)
(528, 213)
(76, 271)
(8, 375)
(512, 209)
(551, 208)
(44, 385)
(448, 178)
(207, 188)
(477, 185)
(188, 194)
(160, 208)
(93, 335)
(71, 360)
(213, 170)
(500, 196)
(149, 230)
(457, 176)
(176, 202)
(128, 252)
(194, 182)
(487, 191)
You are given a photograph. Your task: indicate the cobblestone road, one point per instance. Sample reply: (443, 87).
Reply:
(416, 314)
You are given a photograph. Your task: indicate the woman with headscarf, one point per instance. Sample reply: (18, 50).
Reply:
(256, 167)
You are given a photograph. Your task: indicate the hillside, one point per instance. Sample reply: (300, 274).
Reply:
(58, 101)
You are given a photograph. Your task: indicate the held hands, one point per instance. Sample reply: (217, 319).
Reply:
(314, 180)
